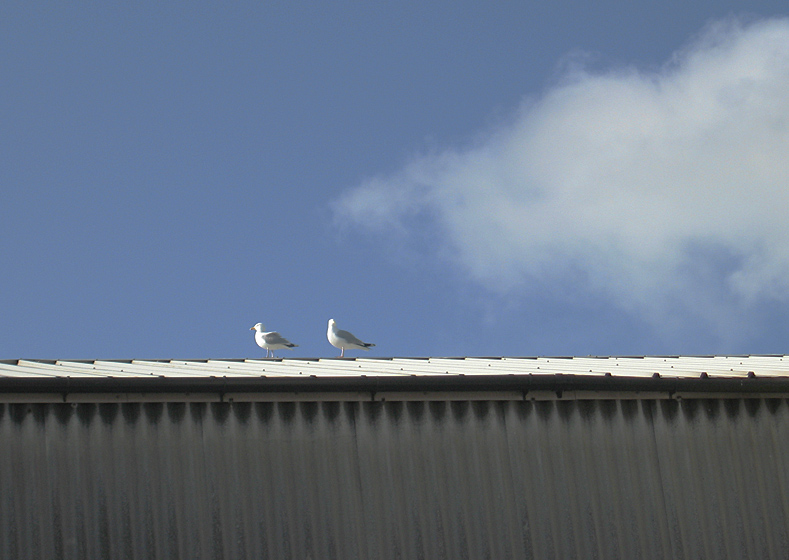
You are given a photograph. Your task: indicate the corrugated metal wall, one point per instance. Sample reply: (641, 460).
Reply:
(577, 479)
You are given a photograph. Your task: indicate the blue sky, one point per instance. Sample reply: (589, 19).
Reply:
(442, 178)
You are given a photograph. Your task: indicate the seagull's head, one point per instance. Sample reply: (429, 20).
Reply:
(331, 323)
(257, 327)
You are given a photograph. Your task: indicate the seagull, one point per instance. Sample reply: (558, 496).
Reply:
(271, 340)
(344, 339)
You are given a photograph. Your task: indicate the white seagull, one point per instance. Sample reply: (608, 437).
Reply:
(271, 340)
(344, 340)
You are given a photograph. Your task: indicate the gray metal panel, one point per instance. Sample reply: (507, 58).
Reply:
(553, 479)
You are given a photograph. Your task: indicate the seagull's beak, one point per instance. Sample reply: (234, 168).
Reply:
(252, 328)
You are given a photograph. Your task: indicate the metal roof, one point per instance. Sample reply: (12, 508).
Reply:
(464, 378)
(547, 462)
(622, 366)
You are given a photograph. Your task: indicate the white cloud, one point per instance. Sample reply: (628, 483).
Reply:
(666, 191)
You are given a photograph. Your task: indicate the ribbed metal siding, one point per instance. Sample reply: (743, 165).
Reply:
(552, 479)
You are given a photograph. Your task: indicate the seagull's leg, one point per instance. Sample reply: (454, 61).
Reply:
(267, 352)
(342, 352)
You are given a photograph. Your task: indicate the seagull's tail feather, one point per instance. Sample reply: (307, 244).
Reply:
(368, 345)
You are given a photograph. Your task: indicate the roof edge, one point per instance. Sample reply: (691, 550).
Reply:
(427, 384)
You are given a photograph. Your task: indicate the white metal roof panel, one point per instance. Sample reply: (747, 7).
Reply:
(629, 366)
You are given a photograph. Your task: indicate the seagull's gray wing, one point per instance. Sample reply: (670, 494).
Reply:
(275, 338)
(349, 338)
